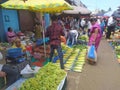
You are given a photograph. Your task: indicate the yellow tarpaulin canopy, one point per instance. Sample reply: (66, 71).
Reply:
(43, 6)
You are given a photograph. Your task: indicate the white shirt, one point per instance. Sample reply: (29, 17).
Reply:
(1, 67)
(98, 21)
(110, 21)
(82, 22)
(89, 25)
(74, 32)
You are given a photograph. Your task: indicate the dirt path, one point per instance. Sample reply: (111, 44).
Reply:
(105, 75)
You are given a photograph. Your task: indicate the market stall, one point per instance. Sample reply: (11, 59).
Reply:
(49, 77)
(44, 6)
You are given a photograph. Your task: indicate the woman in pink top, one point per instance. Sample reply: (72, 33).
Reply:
(95, 34)
(11, 36)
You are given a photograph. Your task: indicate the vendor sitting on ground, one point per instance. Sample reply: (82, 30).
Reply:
(11, 36)
(18, 44)
(7, 71)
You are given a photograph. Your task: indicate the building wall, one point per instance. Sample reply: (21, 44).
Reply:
(8, 18)
(26, 20)
(1, 26)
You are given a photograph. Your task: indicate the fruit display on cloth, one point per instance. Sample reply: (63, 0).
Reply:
(70, 60)
(117, 51)
(74, 58)
(47, 78)
(116, 46)
(80, 61)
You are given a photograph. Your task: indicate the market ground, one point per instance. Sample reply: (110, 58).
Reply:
(102, 76)
(105, 75)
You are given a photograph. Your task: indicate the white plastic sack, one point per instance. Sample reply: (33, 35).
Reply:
(28, 70)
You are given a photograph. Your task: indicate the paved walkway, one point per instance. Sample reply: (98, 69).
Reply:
(105, 75)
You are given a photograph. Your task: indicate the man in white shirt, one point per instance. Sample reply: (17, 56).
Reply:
(111, 27)
(83, 23)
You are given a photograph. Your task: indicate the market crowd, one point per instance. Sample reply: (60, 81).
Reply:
(62, 29)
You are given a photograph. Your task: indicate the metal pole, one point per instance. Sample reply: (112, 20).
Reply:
(44, 40)
(43, 29)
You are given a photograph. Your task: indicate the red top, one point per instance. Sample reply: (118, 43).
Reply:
(54, 32)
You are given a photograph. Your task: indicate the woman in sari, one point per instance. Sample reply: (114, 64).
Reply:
(95, 34)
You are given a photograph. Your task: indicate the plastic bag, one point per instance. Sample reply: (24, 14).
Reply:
(91, 51)
(92, 54)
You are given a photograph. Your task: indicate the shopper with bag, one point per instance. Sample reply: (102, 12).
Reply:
(95, 37)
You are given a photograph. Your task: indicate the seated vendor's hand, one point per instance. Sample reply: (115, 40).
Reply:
(2, 74)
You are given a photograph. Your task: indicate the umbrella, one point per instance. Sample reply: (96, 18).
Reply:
(77, 10)
(44, 6)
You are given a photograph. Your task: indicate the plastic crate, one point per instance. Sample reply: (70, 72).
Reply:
(20, 60)
(41, 41)
(14, 52)
(2, 82)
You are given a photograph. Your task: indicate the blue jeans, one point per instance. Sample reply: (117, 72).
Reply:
(60, 54)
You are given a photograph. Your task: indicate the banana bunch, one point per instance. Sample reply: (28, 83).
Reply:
(65, 47)
(68, 64)
(47, 78)
(79, 62)
(65, 56)
(77, 69)
(83, 37)
(78, 66)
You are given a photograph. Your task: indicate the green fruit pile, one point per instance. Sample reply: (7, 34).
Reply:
(83, 37)
(47, 78)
